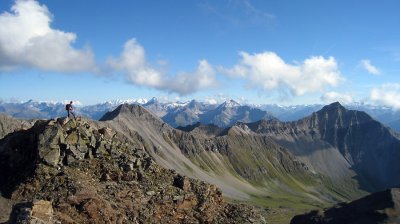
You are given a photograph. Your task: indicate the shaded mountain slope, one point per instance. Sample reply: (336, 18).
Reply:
(380, 207)
(83, 172)
(341, 143)
(136, 122)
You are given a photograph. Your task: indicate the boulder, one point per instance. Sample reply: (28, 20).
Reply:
(48, 146)
(42, 212)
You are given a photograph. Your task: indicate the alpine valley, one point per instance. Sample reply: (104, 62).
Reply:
(152, 162)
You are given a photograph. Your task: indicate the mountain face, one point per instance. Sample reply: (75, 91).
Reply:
(81, 171)
(380, 207)
(343, 144)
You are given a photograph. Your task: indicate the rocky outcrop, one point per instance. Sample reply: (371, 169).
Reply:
(381, 207)
(79, 171)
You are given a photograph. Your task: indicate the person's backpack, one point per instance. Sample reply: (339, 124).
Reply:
(67, 106)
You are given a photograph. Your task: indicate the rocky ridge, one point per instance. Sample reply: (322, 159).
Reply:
(80, 171)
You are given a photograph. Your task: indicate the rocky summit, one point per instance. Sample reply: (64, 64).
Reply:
(81, 171)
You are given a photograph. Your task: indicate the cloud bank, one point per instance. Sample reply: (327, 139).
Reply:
(330, 97)
(267, 71)
(367, 65)
(387, 95)
(27, 40)
(132, 63)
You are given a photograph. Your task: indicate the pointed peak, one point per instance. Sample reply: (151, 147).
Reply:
(333, 106)
(153, 100)
(125, 109)
(230, 103)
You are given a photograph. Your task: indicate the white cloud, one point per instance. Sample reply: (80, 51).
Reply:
(186, 83)
(27, 40)
(367, 65)
(387, 95)
(132, 63)
(268, 71)
(330, 97)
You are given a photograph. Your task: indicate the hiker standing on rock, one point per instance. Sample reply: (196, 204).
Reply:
(69, 109)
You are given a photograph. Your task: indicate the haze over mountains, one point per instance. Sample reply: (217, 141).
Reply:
(188, 113)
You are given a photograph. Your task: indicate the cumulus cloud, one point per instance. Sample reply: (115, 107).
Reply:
(133, 64)
(367, 65)
(330, 97)
(267, 71)
(387, 95)
(186, 83)
(27, 40)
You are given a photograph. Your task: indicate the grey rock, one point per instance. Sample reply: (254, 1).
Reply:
(150, 193)
(50, 155)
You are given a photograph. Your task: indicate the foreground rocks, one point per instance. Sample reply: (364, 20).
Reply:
(381, 207)
(78, 171)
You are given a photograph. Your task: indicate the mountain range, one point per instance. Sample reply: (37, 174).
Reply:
(331, 156)
(188, 113)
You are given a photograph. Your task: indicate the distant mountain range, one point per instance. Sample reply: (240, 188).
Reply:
(188, 113)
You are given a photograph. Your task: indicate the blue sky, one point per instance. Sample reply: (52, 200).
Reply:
(287, 52)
